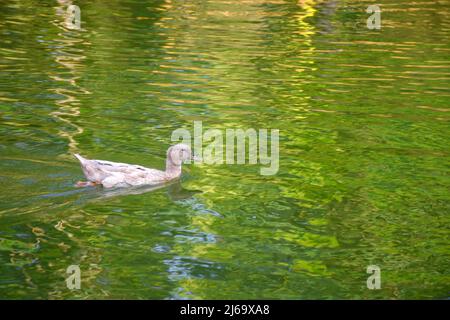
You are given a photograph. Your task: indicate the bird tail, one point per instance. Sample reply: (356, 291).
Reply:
(80, 158)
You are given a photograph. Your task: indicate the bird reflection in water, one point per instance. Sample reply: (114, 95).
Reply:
(175, 191)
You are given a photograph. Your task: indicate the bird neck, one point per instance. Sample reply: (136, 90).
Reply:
(172, 169)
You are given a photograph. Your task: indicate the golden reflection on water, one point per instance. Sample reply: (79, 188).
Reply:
(73, 62)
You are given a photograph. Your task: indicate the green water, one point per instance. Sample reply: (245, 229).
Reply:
(364, 149)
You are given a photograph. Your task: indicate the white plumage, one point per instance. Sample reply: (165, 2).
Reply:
(115, 174)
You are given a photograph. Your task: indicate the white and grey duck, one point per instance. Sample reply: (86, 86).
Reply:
(113, 174)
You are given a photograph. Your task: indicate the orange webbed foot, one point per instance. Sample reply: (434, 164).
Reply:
(81, 184)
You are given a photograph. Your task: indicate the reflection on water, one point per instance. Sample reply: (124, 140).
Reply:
(174, 190)
(67, 56)
(363, 122)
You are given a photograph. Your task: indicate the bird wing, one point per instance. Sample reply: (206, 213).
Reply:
(109, 166)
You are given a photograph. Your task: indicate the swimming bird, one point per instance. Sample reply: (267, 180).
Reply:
(113, 174)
